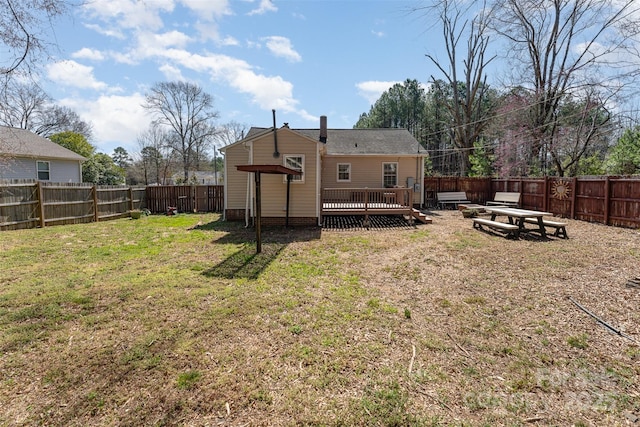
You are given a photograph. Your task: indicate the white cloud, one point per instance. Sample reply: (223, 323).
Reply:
(308, 117)
(209, 9)
(129, 13)
(267, 92)
(209, 31)
(86, 53)
(149, 45)
(71, 73)
(116, 120)
(171, 73)
(281, 47)
(151, 42)
(264, 7)
(109, 32)
(372, 90)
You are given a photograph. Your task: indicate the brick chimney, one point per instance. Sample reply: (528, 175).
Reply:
(323, 129)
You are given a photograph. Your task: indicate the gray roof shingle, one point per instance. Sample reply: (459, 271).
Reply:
(378, 141)
(23, 143)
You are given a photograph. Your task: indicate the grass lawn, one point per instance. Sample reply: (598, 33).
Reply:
(174, 320)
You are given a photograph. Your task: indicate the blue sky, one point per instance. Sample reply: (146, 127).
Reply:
(303, 58)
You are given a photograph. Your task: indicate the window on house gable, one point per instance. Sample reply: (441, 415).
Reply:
(43, 170)
(295, 162)
(344, 172)
(390, 174)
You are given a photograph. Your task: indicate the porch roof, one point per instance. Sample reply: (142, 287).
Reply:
(274, 169)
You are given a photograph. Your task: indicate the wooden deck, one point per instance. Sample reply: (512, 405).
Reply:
(370, 201)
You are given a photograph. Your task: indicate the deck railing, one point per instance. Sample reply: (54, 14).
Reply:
(367, 201)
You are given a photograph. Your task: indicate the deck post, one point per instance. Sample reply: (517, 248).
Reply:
(366, 207)
(258, 213)
(286, 219)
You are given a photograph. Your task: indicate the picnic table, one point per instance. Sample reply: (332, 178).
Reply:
(519, 217)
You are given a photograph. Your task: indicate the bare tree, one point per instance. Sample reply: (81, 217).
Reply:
(27, 106)
(21, 104)
(583, 129)
(470, 108)
(230, 132)
(188, 113)
(561, 47)
(23, 27)
(155, 156)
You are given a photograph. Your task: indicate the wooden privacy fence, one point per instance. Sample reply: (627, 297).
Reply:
(186, 198)
(30, 204)
(606, 200)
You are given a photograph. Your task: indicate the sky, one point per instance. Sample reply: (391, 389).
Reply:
(303, 58)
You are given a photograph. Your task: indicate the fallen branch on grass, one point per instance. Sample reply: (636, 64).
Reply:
(602, 322)
(466, 353)
(412, 358)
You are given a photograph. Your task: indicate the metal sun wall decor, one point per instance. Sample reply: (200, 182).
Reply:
(561, 189)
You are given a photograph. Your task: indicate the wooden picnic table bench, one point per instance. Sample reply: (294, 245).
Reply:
(452, 198)
(512, 229)
(560, 227)
(509, 199)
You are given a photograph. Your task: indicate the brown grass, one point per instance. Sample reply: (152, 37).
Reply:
(435, 325)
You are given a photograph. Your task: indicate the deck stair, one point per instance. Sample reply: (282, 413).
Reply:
(420, 216)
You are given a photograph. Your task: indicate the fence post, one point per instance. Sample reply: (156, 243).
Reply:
(40, 202)
(574, 197)
(545, 194)
(607, 200)
(130, 198)
(195, 199)
(94, 190)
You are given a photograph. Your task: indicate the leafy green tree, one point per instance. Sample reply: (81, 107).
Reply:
(624, 157)
(481, 160)
(74, 142)
(401, 106)
(101, 170)
(121, 157)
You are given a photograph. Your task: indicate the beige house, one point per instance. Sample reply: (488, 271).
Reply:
(332, 162)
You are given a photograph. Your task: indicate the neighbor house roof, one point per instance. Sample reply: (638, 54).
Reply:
(24, 143)
(378, 141)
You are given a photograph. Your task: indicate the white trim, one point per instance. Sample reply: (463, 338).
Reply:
(338, 172)
(397, 171)
(295, 179)
(48, 171)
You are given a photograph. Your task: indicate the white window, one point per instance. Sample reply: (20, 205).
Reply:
(43, 170)
(344, 172)
(295, 162)
(390, 174)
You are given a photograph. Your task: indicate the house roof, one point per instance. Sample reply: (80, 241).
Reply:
(387, 141)
(368, 141)
(24, 143)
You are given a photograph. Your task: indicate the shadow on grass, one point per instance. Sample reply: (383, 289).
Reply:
(246, 263)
